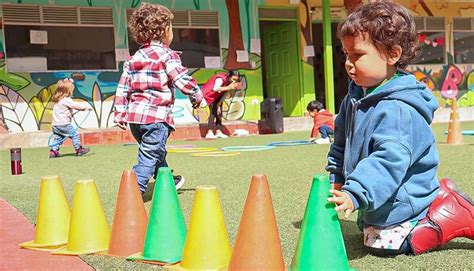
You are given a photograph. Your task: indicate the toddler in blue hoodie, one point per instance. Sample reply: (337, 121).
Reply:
(383, 161)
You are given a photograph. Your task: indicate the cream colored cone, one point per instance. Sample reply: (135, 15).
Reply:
(52, 216)
(88, 229)
(454, 128)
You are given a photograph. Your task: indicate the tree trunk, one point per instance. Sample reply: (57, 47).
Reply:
(235, 37)
(306, 29)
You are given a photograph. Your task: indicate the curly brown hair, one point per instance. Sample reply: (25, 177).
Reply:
(388, 25)
(149, 22)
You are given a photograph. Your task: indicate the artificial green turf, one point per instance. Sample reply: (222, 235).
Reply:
(289, 170)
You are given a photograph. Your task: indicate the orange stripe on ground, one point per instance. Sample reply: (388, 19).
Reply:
(15, 229)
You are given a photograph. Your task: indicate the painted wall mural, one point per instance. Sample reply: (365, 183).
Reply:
(448, 82)
(25, 98)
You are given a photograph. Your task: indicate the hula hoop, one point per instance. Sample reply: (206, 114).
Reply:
(215, 154)
(180, 147)
(247, 148)
(198, 138)
(291, 143)
(191, 150)
(465, 132)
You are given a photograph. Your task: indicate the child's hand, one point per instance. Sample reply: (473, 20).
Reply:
(196, 99)
(122, 125)
(343, 202)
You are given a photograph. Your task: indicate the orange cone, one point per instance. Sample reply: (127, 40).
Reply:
(130, 219)
(257, 244)
(454, 128)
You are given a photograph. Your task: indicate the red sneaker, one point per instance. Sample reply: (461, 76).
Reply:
(450, 215)
(82, 150)
(53, 154)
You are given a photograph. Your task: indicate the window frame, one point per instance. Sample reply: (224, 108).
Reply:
(183, 25)
(425, 29)
(6, 23)
(461, 31)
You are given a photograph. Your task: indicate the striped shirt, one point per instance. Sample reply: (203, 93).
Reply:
(146, 90)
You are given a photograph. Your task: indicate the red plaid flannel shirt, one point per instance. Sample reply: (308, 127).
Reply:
(146, 90)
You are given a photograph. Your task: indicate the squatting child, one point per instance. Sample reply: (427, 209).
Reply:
(323, 122)
(384, 153)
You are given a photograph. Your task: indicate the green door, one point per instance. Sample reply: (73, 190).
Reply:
(281, 60)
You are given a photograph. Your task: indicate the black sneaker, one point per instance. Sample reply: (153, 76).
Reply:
(178, 181)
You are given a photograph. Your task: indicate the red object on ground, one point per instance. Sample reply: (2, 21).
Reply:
(450, 215)
(16, 229)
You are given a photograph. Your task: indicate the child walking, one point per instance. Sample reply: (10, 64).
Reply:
(146, 91)
(323, 122)
(384, 153)
(62, 118)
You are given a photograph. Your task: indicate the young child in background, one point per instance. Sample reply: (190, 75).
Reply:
(146, 91)
(213, 91)
(384, 152)
(62, 118)
(323, 122)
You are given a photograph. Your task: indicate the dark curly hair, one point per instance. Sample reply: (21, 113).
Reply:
(149, 22)
(314, 105)
(388, 25)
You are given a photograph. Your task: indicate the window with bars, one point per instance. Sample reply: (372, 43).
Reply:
(463, 39)
(431, 38)
(196, 35)
(58, 38)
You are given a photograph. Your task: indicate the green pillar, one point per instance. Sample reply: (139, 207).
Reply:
(327, 57)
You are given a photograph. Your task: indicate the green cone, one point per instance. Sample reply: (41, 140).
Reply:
(166, 231)
(320, 245)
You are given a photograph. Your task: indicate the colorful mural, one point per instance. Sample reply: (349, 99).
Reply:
(25, 98)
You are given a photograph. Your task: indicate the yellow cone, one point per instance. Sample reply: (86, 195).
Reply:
(88, 229)
(52, 216)
(207, 245)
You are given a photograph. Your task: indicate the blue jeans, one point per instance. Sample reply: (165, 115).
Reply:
(151, 150)
(61, 133)
(325, 131)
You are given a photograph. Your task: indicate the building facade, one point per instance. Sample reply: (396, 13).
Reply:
(275, 44)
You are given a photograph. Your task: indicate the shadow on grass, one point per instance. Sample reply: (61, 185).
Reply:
(457, 245)
(151, 187)
(353, 239)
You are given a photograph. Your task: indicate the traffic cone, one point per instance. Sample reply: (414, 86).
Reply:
(166, 230)
(320, 245)
(207, 245)
(52, 216)
(130, 219)
(454, 127)
(88, 229)
(257, 244)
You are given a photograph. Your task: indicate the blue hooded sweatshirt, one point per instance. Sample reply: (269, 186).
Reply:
(384, 151)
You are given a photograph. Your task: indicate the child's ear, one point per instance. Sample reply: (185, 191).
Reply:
(394, 55)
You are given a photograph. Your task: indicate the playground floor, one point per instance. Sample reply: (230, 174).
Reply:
(289, 170)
